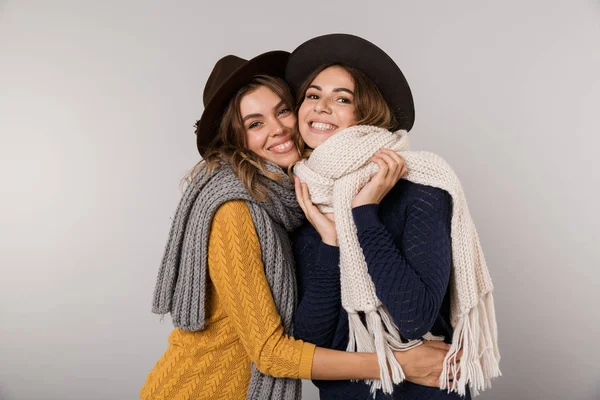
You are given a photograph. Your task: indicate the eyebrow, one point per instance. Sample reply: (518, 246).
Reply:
(336, 90)
(250, 116)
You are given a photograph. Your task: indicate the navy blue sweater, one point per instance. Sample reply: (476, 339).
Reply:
(407, 246)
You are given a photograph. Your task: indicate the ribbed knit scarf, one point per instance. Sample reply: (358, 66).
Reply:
(181, 287)
(335, 172)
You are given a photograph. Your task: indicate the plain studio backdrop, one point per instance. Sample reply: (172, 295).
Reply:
(97, 106)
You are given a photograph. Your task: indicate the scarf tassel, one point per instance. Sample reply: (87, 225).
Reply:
(476, 334)
(379, 336)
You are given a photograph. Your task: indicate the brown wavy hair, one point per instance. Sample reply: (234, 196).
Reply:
(371, 107)
(230, 147)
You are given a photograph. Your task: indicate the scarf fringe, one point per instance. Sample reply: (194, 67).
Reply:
(380, 336)
(335, 172)
(476, 334)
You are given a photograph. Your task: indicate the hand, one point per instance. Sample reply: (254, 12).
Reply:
(323, 223)
(391, 168)
(423, 365)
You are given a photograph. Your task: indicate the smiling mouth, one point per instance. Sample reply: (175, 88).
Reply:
(283, 147)
(321, 126)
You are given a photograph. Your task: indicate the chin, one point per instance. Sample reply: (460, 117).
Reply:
(284, 164)
(313, 144)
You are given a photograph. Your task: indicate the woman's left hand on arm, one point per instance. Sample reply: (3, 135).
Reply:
(323, 223)
(391, 169)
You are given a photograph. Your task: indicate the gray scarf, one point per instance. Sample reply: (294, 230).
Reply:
(181, 284)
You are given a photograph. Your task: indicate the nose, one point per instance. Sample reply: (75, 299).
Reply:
(322, 106)
(278, 128)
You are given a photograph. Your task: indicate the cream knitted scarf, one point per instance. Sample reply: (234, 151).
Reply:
(335, 172)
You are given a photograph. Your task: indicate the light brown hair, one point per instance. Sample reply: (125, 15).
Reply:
(229, 145)
(371, 107)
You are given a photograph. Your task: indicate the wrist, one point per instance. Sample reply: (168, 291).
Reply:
(363, 202)
(330, 240)
(403, 358)
(366, 216)
(370, 366)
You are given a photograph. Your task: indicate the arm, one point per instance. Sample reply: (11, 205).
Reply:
(237, 272)
(410, 281)
(317, 266)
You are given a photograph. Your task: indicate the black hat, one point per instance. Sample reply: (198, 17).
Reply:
(229, 75)
(361, 54)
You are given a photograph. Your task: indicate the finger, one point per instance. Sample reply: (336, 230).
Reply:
(404, 171)
(392, 163)
(298, 190)
(383, 167)
(306, 196)
(299, 198)
(452, 375)
(455, 358)
(392, 154)
(395, 164)
(459, 355)
(399, 160)
(311, 209)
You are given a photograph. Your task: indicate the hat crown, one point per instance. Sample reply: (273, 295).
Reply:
(227, 77)
(354, 51)
(223, 69)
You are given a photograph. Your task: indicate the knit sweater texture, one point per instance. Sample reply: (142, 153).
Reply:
(407, 247)
(243, 324)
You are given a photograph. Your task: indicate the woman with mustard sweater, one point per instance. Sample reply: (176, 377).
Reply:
(228, 276)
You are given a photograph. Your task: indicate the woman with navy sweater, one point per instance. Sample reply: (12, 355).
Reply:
(403, 228)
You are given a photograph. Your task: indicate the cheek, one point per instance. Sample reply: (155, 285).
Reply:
(291, 121)
(253, 142)
(303, 111)
(302, 115)
(347, 118)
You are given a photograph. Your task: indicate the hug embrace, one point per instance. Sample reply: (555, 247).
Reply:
(312, 243)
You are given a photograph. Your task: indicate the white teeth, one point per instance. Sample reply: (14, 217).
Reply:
(283, 146)
(322, 127)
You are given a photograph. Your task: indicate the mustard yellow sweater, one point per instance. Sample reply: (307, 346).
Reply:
(243, 324)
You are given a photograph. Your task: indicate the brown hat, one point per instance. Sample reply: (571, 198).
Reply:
(228, 76)
(363, 55)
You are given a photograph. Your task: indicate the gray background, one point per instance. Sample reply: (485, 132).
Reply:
(97, 105)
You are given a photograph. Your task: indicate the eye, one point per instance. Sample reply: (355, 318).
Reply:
(254, 125)
(343, 100)
(312, 96)
(284, 111)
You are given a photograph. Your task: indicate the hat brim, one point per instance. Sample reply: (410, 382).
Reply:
(363, 55)
(271, 63)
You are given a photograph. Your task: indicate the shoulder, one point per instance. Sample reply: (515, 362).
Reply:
(234, 214)
(425, 199)
(423, 192)
(232, 208)
(232, 232)
(408, 192)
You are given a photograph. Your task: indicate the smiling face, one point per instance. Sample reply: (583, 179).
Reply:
(269, 125)
(328, 106)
